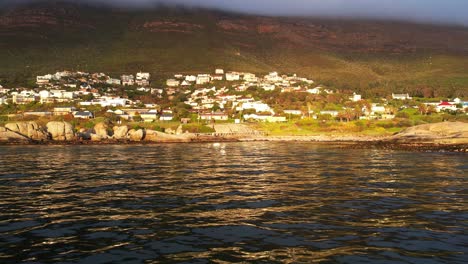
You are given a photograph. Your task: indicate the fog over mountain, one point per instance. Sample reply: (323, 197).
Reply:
(427, 11)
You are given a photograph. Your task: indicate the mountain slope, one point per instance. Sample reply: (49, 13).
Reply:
(367, 56)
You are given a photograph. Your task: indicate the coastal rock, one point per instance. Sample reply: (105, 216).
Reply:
(136, 135)
(156, 136)
(100, 129)
(120, 132)
(95, 137)
(151, 135)
(84, 134)
(445, 133)
(7, 135)
(29, 129)
(179, 130)
(60, 131)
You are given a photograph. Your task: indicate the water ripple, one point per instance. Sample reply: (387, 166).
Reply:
(234, 202)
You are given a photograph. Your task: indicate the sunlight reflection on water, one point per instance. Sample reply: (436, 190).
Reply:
(257, 202)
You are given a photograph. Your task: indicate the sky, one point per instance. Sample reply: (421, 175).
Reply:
(433, 11)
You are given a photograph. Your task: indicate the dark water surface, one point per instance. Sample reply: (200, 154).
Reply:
(231, 202)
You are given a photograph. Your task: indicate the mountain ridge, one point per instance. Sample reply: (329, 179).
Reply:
(359, 54)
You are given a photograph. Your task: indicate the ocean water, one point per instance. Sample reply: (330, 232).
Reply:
(254, 202)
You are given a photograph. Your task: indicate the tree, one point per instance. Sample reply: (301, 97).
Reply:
(422, 109)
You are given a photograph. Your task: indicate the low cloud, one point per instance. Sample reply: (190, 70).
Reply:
(433, 11)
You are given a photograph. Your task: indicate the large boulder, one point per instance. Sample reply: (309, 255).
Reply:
(136, 135)
(445, 132)
(84, 134)
(156, 136)
(120, 132)
(7, 135)
(100, 129)
(60, 131)
(95, 137)
(29, 129)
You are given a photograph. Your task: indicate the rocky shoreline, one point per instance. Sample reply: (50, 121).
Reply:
(448, 136)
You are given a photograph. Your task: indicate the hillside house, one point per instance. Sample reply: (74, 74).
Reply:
(166, 116)
(332, 113)
(250, 77)
(150, 116)
(401, 97)
(232, 76)
(43, 80)
(356, 97)
(83, 115)
(293, 112)
(218, 116)
(113, 81)
(143, 79)
(38, 113)
(218, 77)
(128, 80)
(257, 106)
(203, 79)
(191, 78)
(268, 87)
(172, 83)
(65, 110)
(444, 106)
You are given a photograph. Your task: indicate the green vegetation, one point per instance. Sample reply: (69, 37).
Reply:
(197, 128)
(312, 127)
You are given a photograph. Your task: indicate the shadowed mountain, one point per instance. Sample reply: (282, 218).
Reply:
(348, 54)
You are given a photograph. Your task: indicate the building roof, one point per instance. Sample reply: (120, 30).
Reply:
(445, 104)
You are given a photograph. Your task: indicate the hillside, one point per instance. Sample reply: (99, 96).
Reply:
(372, 57)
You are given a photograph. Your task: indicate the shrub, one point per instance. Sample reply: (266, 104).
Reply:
(197, 128)
(404, 123)
(402, 115)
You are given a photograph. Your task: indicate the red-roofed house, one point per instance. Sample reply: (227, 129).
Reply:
(446, 106)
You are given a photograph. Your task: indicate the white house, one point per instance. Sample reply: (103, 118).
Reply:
(214, 116)
(232, 76)
(83, 115)
(258, 117)
(166, 117)
(142, 78)
(268, 87)
(113, 81)
(42, 80)
(191, 78)
(273, 77)
(4, 90)
(219, 71)
(128, 80)
(446, 106)
(315, 90)
(58, 111)
(293, 112)
(149, 116)
(356, 97)
(203, 79)
(250, 77)
(258, 106)
(378, 109)
(172, 83)
(401, 96)
(329, 112)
